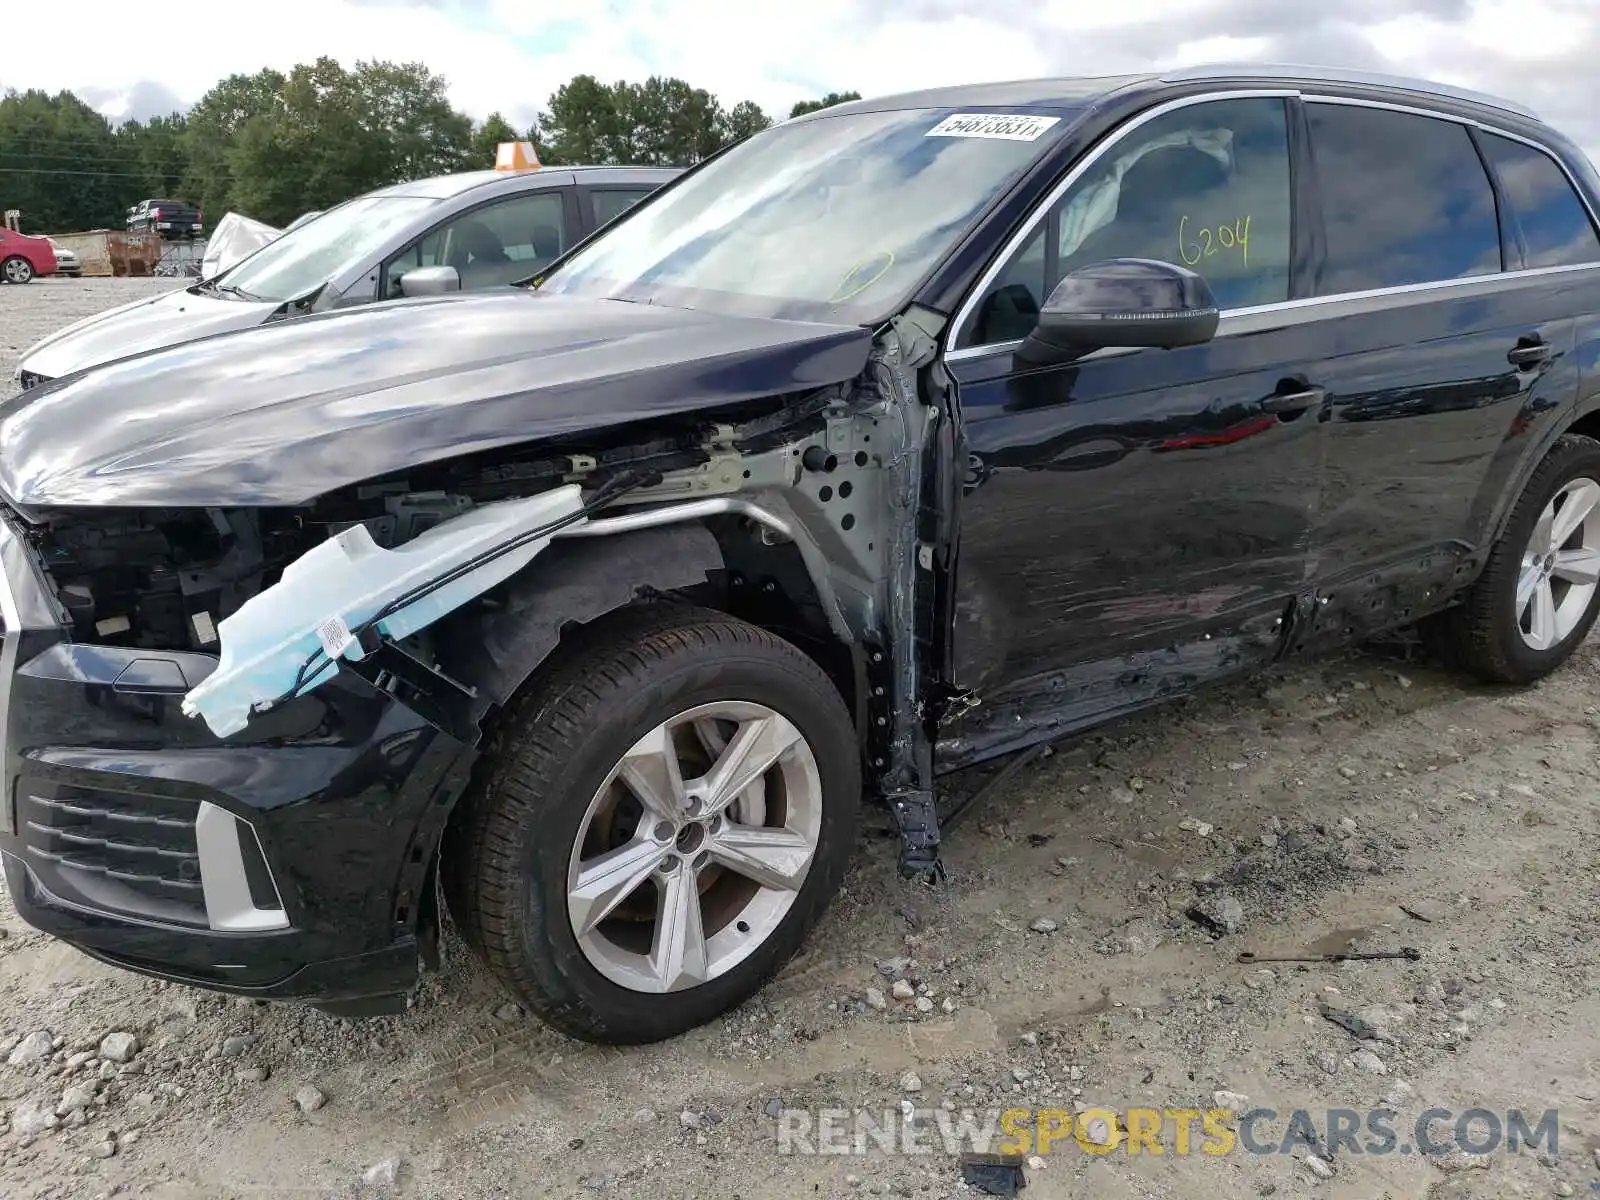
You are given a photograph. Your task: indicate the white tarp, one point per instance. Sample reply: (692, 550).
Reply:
(234, 238)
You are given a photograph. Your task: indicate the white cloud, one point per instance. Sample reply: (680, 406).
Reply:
(511, 54)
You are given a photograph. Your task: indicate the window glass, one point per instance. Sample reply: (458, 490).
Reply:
(1206, 186)
(1555, 226)
(302, 260)
(831, 217)
(613, 202)
(1405, 199)
(490, 246)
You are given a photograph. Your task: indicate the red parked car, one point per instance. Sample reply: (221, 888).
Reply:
(22, 257)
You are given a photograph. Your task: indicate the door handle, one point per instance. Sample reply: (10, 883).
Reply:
(1529, 352)
(1284, 404)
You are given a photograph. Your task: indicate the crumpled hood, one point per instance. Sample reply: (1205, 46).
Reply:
(148, 324)
(288, 411)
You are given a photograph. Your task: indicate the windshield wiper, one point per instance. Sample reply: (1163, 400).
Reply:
(234, 289)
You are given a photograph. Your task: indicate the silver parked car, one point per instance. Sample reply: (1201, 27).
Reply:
(474, 230)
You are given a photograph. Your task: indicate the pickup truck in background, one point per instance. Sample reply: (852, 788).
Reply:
(172, 219)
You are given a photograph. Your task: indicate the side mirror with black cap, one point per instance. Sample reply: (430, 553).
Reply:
(1122, 302)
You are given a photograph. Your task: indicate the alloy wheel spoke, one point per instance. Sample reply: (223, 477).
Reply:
(1542, 617)
(1532, 576)
(1580, 503)
(751, 753)
(605, 882)
(773, 858)
(651, 772)
(678, 950)
(1539, 544)
(1581, 567)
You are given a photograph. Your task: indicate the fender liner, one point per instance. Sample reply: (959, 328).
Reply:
(574, 580)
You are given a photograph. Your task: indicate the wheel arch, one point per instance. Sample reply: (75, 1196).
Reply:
(1588, 425)
(722, 563)
(1585, 423)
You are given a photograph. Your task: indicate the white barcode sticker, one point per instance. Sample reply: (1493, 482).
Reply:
(1011, 127)
(335, 636)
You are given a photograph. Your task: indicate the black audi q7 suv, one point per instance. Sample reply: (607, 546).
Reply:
(904, 435)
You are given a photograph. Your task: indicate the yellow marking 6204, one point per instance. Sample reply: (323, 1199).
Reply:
(1212, 238)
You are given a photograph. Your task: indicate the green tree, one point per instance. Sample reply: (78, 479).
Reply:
(662, 122)
(152, 159)
(407, 109)
(275, 145)
(584, 123)
(673, 124)
(333, 134)
(486, 139)
(59, 163)
(742, 120)
(210, 129)
(803, 107)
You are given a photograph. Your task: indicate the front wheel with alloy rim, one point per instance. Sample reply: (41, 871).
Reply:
(1539, 593)
(16, 270)
(665, 815)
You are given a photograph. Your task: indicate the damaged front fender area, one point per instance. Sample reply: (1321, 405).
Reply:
(810, 514)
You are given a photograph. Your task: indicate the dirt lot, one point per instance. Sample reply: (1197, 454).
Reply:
(1367, 800)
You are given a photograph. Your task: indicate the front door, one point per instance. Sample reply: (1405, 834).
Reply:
(494, 244)
(1135, 522)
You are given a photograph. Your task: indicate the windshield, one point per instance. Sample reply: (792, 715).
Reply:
(303, 259)
(830, 219)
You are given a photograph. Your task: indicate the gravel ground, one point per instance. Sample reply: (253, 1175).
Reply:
(1081, 953)
(31, 312)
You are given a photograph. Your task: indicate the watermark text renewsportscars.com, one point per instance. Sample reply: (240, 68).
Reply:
(1157, 1131)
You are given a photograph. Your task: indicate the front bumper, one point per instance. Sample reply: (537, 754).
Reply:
(290, 860)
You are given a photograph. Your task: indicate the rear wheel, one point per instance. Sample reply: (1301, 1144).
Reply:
(664, 818)
(1539, 593)
(16, 270)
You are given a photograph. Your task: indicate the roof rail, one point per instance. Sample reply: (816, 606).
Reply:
(1251, 70)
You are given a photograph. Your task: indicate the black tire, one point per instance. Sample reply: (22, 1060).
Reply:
(16, 270)
(1482, 635)
(506, 853)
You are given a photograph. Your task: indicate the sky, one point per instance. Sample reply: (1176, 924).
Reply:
(511, 54)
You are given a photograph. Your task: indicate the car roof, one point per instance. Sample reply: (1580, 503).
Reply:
(443, 187)
(1075, 91)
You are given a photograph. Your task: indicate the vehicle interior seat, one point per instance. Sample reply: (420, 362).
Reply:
(1181, 188)
(477, 255)
(1156, 193)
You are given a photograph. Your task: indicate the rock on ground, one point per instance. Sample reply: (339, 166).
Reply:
(309, 1099)
(31, 1049)
(119, 1047)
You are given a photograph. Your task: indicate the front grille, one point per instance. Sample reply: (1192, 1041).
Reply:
(121, 853)
(32, 379)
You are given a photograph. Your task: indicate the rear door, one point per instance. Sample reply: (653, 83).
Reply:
(1440, 341)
